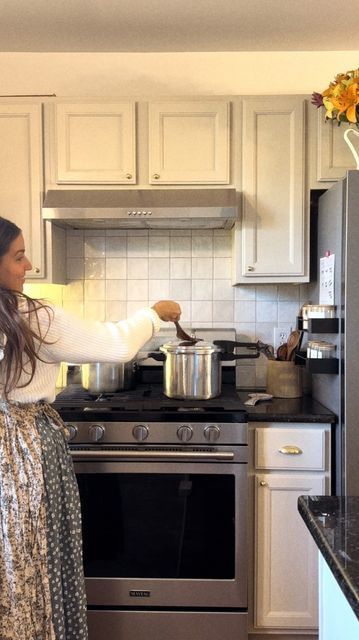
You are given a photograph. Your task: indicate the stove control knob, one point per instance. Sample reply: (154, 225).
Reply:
(184, 433)
(212, 433)
(70, 432)
(140, 432)
(96, 432)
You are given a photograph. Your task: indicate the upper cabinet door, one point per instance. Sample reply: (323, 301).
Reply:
(270, 243)
(189, 142)
(334, 156)
(95, 143)
(21, 176)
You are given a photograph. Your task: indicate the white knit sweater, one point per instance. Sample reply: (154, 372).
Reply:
(80, 341)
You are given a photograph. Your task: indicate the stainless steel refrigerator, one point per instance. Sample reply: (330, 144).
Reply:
(338, 233)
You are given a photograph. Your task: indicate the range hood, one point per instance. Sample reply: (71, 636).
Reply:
(142, 208)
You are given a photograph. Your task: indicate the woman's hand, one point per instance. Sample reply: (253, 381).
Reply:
(168, 310)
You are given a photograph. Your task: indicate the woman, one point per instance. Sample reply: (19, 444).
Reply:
(41, 576)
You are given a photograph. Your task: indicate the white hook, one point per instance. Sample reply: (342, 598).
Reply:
(351, 146)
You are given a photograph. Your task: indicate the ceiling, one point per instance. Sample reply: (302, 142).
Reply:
(178, 25)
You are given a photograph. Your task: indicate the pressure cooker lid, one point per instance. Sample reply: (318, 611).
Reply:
(181, 346)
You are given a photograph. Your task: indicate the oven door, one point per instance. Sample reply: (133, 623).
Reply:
(164, 533)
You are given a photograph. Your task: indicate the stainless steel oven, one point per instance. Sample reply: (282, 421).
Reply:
(163, 497)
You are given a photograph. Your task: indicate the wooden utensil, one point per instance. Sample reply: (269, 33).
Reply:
(292, 343)
(282, 352)
(182, 335)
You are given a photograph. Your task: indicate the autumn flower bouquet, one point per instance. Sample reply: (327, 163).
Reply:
(341, 99)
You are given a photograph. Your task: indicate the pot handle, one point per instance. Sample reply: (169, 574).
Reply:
(230, 345)
(161, 357)
(227, 357)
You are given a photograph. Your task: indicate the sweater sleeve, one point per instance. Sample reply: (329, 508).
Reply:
(71, 339)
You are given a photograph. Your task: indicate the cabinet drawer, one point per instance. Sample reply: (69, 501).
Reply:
(290, 448)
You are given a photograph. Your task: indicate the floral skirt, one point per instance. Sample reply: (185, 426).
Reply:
(42, 593)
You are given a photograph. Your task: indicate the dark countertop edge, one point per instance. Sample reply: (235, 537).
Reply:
(349, 590)
(304, 409)
(299, 417)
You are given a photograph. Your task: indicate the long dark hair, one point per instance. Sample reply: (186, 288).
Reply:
(20, 349)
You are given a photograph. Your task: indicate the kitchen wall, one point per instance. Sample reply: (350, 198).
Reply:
(113, 273)
(161, 74)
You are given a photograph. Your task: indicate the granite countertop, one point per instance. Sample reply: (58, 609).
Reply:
(334, 524)
(304, 409)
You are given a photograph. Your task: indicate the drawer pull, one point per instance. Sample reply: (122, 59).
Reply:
(263, 483)
(290, 450)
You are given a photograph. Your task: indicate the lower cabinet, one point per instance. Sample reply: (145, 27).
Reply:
(289, 461)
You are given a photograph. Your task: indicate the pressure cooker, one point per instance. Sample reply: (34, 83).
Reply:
(193, 369)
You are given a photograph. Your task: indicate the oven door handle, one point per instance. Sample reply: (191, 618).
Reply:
(176, 455)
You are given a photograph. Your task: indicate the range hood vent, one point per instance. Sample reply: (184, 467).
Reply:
(142, 208)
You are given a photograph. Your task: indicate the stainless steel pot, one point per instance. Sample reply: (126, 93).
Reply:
(193, 370)
(106, 377)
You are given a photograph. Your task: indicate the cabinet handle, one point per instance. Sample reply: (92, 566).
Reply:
(263, 483)
(156, 176)
(128, 176)
(37, 270)
(250, 268)
(290, 450)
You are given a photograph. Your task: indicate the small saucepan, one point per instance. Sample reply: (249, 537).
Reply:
(108, 377)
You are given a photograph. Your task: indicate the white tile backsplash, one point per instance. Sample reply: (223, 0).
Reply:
(116, 247)
(180, 290)
(95, 268)
(202, 268)
(180, 268)
(113, 273)
(159, 268)
(95, 247)
(116, 290)
(180, 246)
(137, 268)
(116, 269)
(159, 246)
(202, 289)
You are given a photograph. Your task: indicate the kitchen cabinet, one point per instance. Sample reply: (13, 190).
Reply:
(271, 241)
(179, 142)
(289, 461)
(95, 143)
(21, 186)
(189, 142)
(333, 156)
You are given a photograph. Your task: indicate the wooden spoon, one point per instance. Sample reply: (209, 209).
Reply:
(282, 352)
(182, 335)
(292, 343)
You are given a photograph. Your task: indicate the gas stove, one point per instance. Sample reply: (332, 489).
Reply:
(145, 415)
(148, 401)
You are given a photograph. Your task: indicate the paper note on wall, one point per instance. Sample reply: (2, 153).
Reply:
(326, 289)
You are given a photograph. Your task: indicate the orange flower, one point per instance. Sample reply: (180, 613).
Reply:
(341, 98)
(346, 102)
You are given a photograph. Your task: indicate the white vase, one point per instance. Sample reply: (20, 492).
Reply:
(350, 144)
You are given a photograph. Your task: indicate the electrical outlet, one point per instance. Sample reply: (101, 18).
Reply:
(281, 335)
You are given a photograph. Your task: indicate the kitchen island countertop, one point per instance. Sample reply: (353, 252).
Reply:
(304, 409)
(334, 524)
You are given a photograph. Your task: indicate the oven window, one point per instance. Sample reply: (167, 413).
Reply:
(158, 525)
